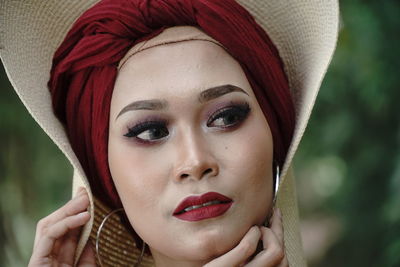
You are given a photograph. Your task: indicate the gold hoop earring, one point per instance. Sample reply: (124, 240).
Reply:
(277, 183)
(137, 264)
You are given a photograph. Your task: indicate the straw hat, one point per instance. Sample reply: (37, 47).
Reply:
(304, 31)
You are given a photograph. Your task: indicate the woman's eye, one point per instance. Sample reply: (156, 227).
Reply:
(148, 131)
(229, 116)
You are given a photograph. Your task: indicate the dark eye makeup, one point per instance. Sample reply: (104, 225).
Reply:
(156, 129)
(229, 116)
(148, 131)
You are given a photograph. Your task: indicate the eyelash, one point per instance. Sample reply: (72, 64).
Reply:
(142, 127)
(238, 112)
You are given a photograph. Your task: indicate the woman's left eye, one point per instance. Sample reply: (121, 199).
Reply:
(229, 116)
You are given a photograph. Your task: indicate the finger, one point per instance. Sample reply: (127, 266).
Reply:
(66, 244)
(52, 233)
(276, 225)
(88, 257)
(67, 249)
(57, 246)
(78, 204)
(273, 253)
(241, 252)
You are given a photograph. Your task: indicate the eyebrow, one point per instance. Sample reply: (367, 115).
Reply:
(206, 95)
(153, 104)
(218, 91)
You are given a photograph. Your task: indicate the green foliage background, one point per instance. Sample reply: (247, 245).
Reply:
(347, 167)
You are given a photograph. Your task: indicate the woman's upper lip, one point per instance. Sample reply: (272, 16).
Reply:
(200, 200)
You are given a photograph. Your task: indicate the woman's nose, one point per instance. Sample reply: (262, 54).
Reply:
(195, 160)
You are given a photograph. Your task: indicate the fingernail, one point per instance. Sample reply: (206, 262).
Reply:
(82, 214)
(81, 191)
(88, 208)
(272, 215)
(279, 213)
(257, 229)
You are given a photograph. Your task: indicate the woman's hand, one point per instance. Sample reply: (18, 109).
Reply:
(57, 235)
(272, 255)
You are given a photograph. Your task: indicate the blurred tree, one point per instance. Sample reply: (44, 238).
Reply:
(34, 177)
(356, 128)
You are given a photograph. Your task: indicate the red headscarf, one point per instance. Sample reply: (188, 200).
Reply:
(85, 68)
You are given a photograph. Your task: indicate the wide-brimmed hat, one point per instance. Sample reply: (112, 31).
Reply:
(304, 31)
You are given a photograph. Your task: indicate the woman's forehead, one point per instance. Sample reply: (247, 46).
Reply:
(183, 68)
(176, 54)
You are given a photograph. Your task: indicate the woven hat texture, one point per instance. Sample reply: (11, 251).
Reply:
(304, 31)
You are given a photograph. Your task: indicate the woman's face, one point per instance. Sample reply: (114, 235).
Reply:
(184, 122)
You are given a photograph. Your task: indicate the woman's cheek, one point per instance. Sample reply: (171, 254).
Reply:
(251, 166)
(140, 181)
(128, 170)
(247, 154)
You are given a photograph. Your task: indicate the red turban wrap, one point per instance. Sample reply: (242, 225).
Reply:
(85, 68)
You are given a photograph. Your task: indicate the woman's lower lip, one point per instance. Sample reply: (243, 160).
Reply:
(206, 212)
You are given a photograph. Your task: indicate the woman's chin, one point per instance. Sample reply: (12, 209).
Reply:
(207, 244)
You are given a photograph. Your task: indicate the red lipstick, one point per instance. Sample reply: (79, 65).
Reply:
(206, 206)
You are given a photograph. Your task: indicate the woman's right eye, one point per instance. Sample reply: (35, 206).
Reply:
(148, 131)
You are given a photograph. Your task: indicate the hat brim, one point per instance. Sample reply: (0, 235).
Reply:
(305, 33)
